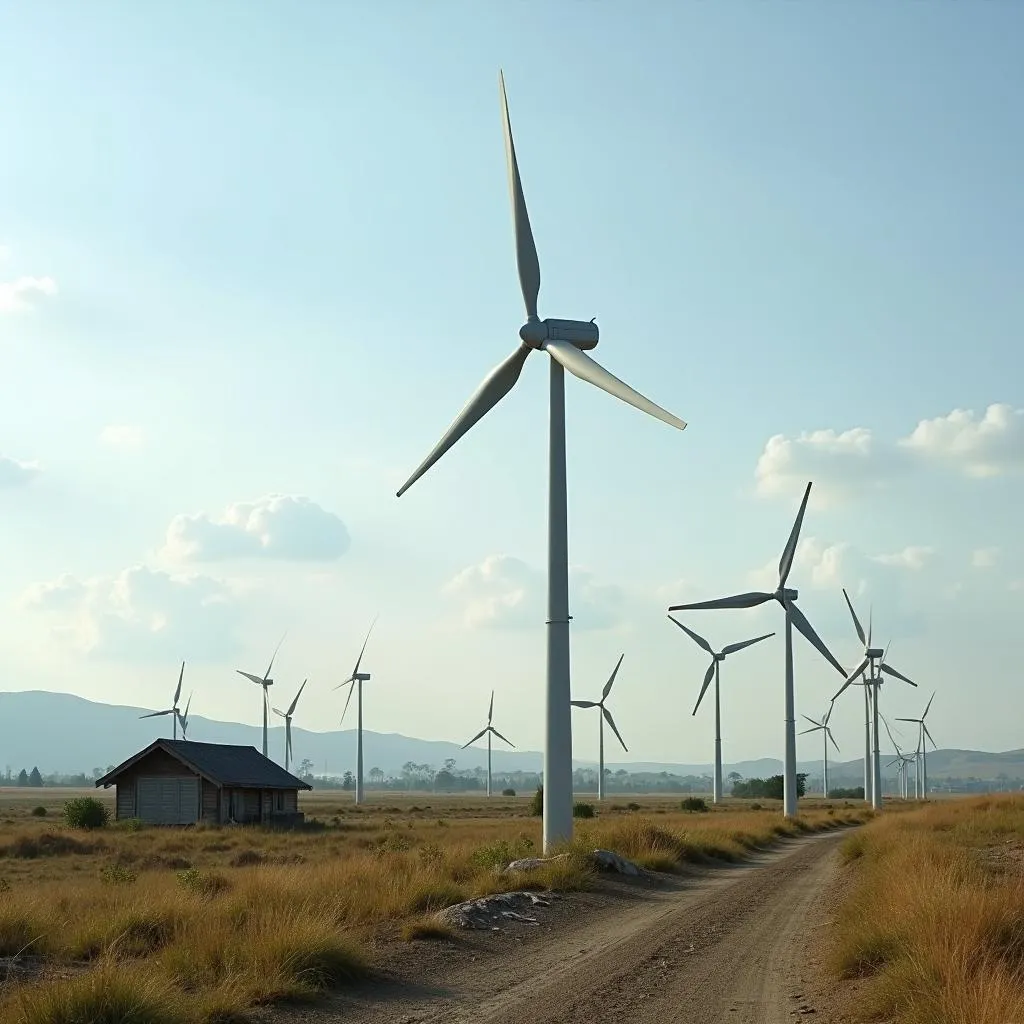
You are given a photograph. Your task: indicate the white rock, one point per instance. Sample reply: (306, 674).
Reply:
(490, 911)
(606, 860)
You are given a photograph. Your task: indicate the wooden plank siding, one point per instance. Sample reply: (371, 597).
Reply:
(124, 803)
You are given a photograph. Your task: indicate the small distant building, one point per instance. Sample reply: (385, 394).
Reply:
(181, 782)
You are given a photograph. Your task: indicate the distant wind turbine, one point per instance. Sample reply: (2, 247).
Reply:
(183, 719)
(922, 748)
(355, 682)
(265, 682)
(287, 716)
(489, 731)
(605, 716)
(826, 735)
(713, 671)
(794, 617)
(173, 709)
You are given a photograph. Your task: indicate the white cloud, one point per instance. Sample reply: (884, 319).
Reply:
(14, 473)
(140, 613)
(825, 566)
(15, 295)
(911, 557)
(278, 526)
(122, 435)
(838, 463)
(982, 447)
(505, 592)
(984, 558)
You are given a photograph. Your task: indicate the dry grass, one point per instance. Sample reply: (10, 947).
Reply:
(934, 919)
(170, 925)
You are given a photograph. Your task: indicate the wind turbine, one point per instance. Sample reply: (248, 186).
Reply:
(287, 716)
(794, 617)
(355, 682)
(183, 719)
(487, 731)
(922, 748)
(826, 735)
(565, 341)
(866, 641)
(716, 660)
(173, 709)
(605, 715)
(874, 662)
(265, 682)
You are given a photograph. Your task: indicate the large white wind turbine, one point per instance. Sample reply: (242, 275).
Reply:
(355, 682)
(488, 731)
(713, 671)
(866, 641)
(287, 716)
(173, 709)
(183, 719)
(265, 682)
(565, 341)
(826, 735)
(873, 662)
(604, 716)
(794, 617)
(922, 749)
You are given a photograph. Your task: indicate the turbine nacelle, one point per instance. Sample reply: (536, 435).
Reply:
(361, 677)
(784, 595)
(581, 333)
(878, 653)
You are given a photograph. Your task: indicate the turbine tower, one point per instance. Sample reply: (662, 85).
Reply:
(716, 660)
(874, 662)
(287, 716)
(826, 735)
(566, 342)
(488, 731)
(265, 682)
(794, 617)
(922, 748)
(355, 682)
(605, 715)
(183, 719)
(173, 709)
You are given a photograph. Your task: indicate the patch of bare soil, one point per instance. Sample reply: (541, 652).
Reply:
(741, 943)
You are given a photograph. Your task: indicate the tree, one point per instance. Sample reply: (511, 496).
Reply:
(449, 764)
(734, 777)
(348, 781)
(376, 776)
(23, 777)
(305, 768)
(35, 779)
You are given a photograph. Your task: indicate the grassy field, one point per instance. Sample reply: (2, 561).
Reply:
(933, 921)
(162, 926)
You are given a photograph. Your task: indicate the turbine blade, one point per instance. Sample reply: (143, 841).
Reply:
(181, 676)
(935, 746)
(266, 675)
(817, 725)
(801, 623)
(278, 711)
(696, 638)
(828, 731)
(482, 732)
(188, 704)
(494, 387)
(927, 706)
(789, 551)
(258, 680)
(584, 703)
(157, 714)
(611, 721)
(708, 676)
(852, 677)
(748, 600)
(871, 615)
(918, 720)
(856, 621)
(500, 737)
(817, 728)
(291, 707)
(611, 679)
(889, 670)
(490, 710)
(362, 650)
(526, 249)
(579, 364)
(733, 648)
(828, 714)
(351, 688)
(288, 737)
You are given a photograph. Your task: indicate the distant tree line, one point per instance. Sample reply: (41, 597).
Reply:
(770, 789)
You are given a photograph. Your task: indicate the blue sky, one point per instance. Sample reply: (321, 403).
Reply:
(254, 259)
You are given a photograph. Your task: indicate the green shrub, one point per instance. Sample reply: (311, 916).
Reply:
(39, 812)
(117, 874)
(582, 810)
(537, 802)
(508, 792)
(86, 812)
(202, 883)
(502, 853)
(695, 803)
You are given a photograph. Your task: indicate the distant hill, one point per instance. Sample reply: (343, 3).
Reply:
(60, 732)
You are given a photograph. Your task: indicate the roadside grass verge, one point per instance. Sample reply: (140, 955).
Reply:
(164, 926)
(933, 920)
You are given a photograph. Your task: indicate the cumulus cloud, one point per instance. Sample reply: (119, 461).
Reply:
(911, 557)
(838, 463)
(989, 446)
(14, 473)
(505, 592)
(122, 435)
(140, 613)
(278, 526)
(984, 558)
(17, 295)
(818, 563)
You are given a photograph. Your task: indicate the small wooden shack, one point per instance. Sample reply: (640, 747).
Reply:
(181, 782)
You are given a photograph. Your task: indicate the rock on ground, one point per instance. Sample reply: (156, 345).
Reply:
(491, 912)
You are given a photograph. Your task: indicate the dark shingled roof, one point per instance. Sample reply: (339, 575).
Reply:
(221, 763)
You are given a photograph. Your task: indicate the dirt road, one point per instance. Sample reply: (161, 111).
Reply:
(728, 944)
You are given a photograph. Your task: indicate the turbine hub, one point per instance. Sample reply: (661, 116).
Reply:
(719, 657)
(783, 595)
(581, 333)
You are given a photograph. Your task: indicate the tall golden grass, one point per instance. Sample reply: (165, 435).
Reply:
(162, 926)
(934, 916)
